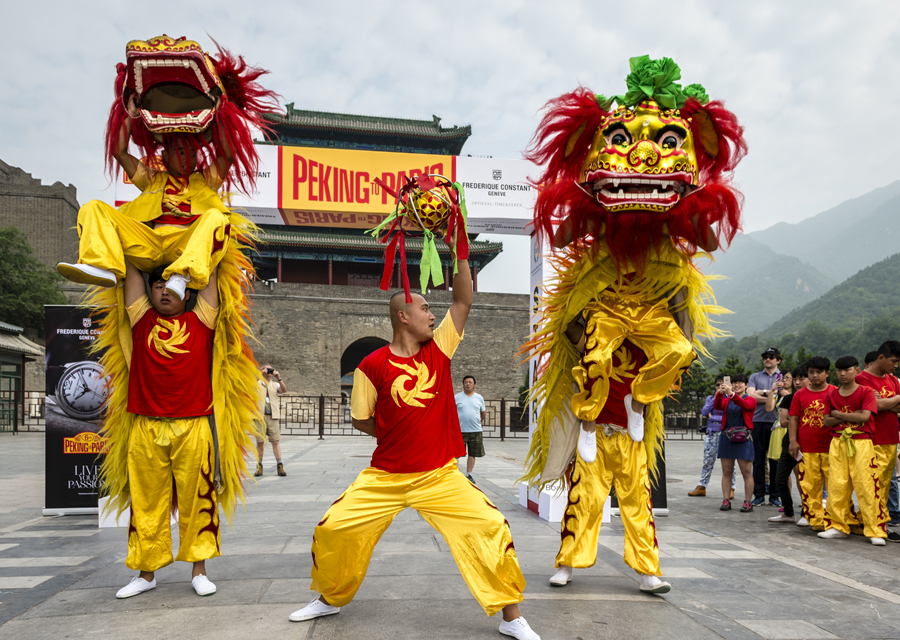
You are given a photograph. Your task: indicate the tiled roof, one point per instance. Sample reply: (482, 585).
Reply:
(10, 328)
(361, 242)
(370, 124)
(19, 344)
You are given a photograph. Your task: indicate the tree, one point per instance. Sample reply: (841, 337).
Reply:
(26, 283)
(733, 365)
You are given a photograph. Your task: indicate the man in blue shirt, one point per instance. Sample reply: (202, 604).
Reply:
(759, 387)
(471, 410)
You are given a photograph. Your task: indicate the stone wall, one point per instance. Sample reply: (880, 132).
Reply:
(45, 213)
(303, 330)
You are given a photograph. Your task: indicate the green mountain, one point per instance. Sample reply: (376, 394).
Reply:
(760, 285)
(863, 297)
(854, 317)
(842, 240)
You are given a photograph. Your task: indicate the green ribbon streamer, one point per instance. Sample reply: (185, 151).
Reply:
(465, 215)
(431, 263)
(847, 436)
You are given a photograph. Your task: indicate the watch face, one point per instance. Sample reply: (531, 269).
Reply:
(82, 390)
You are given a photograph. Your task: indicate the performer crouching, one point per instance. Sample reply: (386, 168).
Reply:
(171, 443)
(403, 395)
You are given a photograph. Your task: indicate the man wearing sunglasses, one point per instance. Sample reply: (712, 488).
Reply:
(759, 387)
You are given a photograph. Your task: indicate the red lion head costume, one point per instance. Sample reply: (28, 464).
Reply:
(629, 177)
(186, 95)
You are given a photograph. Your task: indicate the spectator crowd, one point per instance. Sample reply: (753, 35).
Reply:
(835, 440)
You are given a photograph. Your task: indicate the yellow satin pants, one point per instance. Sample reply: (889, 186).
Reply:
(812, 472)
(623, 461)
(107, 237)
(886, 459)
(859, 473)
(651, 328)
(163, 453)
(476, 532)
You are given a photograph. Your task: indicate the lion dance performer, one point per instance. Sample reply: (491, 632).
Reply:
(183, 378)
(630, 196)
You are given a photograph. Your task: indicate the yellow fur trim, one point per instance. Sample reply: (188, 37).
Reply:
(581, 275)
(235, 376)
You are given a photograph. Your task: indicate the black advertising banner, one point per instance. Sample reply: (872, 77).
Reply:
(76, 389)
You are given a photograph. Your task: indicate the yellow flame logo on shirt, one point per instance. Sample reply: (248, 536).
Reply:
(167, 346)
(412, 397)
(813, 415)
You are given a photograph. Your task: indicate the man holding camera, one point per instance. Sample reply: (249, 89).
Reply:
(269, 388)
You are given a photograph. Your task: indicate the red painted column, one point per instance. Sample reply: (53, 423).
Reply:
(278, 274)
(474, 278)
(330, 278)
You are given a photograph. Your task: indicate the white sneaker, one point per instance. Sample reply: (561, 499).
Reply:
(562, 577)
(587, 444)
(518, 628)
(176, 284)
(802, 522)
(652, 584)
(832, 534)
(202, 586)
(781, 518)
(86, 274)
(136, 586)
(635, 421)
(878, 542)
(315, 609)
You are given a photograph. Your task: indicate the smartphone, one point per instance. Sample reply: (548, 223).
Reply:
(726, 379)
(777, 376)
(799, 456)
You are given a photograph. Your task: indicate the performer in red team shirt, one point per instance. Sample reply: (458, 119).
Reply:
(622, 461)
(403, 395)
(171, 443)
(850, 410)
(879, 377)
(810, 440)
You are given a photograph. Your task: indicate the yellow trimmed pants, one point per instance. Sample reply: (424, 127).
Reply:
(476, 532)
(623, 461)
(846, 474)
(107, 237)
(812, 472)
(886, 459)
(651, 328)
(163, 453)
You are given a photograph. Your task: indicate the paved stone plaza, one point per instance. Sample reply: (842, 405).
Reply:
(734, 575)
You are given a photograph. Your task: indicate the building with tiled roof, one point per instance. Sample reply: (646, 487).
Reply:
(344, 131)
(341, 256)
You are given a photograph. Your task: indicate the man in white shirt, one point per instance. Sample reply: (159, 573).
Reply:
(471, 410)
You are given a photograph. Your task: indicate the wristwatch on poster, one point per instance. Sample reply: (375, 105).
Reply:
(82, 390)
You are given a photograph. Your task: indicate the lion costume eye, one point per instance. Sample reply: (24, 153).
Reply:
(671, 137)
(617, 135)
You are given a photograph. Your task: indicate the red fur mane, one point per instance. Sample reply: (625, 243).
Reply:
(240, 110)
(570, 122)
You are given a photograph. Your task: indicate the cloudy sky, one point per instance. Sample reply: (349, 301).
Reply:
(801, 76)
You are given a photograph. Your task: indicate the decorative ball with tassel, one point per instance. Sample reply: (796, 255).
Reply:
(429, 209)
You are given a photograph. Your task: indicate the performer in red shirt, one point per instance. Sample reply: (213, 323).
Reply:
(403, 395)
(622, 461)
(850, 410)
(170, 391)
(810, 440)
(879, 377)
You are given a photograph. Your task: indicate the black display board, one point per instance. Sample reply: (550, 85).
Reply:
(76, 388)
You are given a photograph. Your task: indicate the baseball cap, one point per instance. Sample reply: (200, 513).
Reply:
(771, 351)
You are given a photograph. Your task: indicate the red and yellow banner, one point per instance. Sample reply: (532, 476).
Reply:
(337, 188)
(85, 442)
